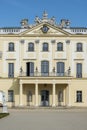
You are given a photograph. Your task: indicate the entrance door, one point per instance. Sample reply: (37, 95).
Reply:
(44, 98)
(30, 68)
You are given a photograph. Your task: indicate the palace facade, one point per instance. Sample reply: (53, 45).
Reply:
(44, 64)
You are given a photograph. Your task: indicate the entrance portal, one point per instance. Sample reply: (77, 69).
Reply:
(44, 98)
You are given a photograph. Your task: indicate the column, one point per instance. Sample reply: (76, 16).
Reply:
(20, 96)
(36, 94)
(53, 95)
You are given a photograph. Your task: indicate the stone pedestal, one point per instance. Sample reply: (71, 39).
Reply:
(4, 109)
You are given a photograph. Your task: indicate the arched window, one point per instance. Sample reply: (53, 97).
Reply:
(45, 68)
(60, 68)
(79, 46)
(11, 46)
(59, 46)
(30, 46)
(45, 46)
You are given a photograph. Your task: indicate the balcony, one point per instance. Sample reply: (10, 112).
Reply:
(39, 74)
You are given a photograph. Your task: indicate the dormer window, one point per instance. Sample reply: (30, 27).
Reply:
(11, 46)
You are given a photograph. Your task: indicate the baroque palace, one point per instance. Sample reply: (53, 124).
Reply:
(44, 64)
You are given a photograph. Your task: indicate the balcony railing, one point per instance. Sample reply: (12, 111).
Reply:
(39, 74)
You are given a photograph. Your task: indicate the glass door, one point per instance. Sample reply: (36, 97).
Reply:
(44, 98)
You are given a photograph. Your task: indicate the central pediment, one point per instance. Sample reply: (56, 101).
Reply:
(45, 29)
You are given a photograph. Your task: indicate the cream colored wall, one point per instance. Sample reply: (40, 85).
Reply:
(10, 84)
(79, 85)
(61, 87)
(20, 56)
(26, 89)
(31, 88)
(75, 85)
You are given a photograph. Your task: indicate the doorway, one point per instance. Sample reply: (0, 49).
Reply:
(30, 69)
(44, 98)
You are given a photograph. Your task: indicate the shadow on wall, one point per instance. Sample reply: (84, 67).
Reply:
(13, 92)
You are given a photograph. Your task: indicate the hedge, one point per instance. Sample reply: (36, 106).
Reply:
(3, 115)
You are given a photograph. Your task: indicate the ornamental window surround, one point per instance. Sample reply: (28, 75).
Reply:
(30, 46)
(45, 46)
(11, 46)
(79, 47)
(59, 46)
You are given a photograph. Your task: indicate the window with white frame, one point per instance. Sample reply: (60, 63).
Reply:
(79, 70)
(60, 68)
(45, 46)
(59, 46)
(11, 46)
(79, 47)
(30, 46)
(45, 68)
(10, 95)
(11, 70)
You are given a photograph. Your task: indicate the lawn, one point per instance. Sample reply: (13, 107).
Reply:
(3, 115)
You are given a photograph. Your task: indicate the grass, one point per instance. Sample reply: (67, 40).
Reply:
(3, 115)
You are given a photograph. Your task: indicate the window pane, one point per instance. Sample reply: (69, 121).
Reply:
(11, 46)
(79, 70)
(79, 96)
(30, 46)
(45, 67)
(60, 68)
(10, 95)
(60, 46)
(79, 46)
(45, 46)
(31, 68)
(11, 70)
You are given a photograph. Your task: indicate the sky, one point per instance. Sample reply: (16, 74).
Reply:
(12, 11)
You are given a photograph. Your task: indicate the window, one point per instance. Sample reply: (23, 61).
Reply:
(11, 46)
(45, 68)
(45, 46)
(79, 47)
(59, 46)
(60, 68)
(11, 70)
(31, 46)
(30, 68)
(10, 95)
(79, 96)
(79, 70)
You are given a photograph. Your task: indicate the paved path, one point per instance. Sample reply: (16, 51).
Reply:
(65, 119)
